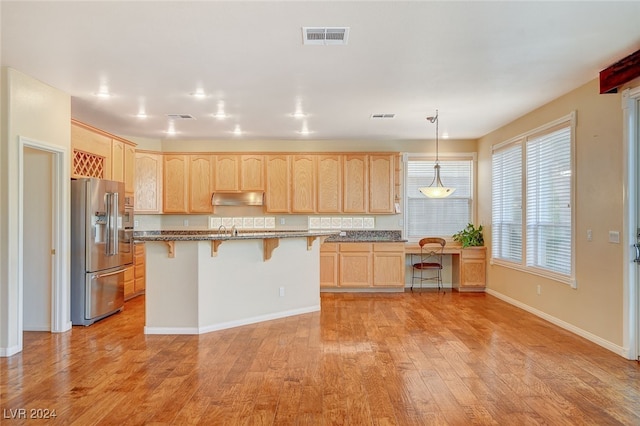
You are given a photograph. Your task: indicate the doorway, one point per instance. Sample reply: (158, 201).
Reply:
(631, 302)
(43, 237)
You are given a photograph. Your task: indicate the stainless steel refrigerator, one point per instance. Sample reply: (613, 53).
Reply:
(101, 248)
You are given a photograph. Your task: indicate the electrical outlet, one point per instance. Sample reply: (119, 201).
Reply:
(185, 222)
(282, 220)
(281, 291)
(589, 235)
(614, 237)
(136, 223)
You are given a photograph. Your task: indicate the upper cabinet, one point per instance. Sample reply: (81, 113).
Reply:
(355, 183)
(381, 183)
(329, 183)
(227, 172)
(252, 172)
(176, 175)
(200, 183)
(278, 178)
(96, 153)
(303, 183)
(148, 187)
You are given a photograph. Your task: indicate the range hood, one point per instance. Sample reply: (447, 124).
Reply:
(253, 198)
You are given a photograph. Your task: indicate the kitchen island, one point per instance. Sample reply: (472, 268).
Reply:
(202, 281)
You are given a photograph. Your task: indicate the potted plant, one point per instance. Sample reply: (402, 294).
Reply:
(470, 236)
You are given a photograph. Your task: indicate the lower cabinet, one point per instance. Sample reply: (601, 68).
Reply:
(472, 269)
(129, 283)
(139, 262)
(362, 265)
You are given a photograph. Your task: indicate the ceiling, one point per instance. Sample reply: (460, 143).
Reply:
(481, 64)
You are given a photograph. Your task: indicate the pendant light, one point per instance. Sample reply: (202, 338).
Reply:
(436, 189)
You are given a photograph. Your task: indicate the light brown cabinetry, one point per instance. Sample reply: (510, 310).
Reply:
(129, 283)
(381, 183)
(252, 172)
(175, 179)
(362, 265)
(329, 265)
(129, 170)
(139, 263)
(278, 178)
(472, 269)
(388, 265)
(355, 183)
(148, 178)
(200, 183)
(329, 181)
(355, 265)
(227, 172)
(303, 184)
(117, 160)
(90, 151)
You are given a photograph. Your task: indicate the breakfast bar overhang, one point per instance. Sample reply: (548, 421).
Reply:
(202, 282)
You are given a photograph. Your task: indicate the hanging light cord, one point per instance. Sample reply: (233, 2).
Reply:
(434, 119)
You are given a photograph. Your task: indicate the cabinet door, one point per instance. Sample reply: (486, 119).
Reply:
(176, 175)
(329, 265)
(355, 183)
(148, 175)
(200, 183)
(129, 169)
(388, 264)
(381, 183)
(252, 172)
(278, 180)
(227, 176)
(303, 184)
(139, 259)
(129, 283)
(472, 268)
(355, 264)
(329, 183)
(117, 160)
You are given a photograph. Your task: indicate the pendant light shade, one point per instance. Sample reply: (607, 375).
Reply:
(436, 189)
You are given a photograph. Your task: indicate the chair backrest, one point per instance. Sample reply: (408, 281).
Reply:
(432, 247)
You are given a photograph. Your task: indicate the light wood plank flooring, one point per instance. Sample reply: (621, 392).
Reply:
(383, 359)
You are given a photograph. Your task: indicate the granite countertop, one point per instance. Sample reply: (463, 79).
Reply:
(367, 237)
(213, 234)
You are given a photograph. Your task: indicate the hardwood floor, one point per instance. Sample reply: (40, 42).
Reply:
(384, 359)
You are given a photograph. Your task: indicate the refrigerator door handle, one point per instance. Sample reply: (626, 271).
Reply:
(108, 203)
(108, 274)
(115, 208)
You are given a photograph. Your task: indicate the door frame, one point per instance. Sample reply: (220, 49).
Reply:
(60, 278)
(631, 170)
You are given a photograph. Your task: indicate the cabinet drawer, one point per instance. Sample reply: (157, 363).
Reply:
(351, 247)
(471, 253)
(399, 247)
(329, 248)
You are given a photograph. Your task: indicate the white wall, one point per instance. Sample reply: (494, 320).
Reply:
(39, 112)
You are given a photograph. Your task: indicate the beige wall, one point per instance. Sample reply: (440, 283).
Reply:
(596, 306)
(41, 113)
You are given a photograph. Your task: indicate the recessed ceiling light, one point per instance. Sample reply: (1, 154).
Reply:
(237, 130)
(199, 94)
(104, 94)
(220, 115)
(445, 135)
(142, 114)
(298, 114)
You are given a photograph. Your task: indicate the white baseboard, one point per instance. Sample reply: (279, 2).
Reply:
(6, 352)
(624, 352)
(230, 324)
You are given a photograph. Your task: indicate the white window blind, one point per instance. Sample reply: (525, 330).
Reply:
(549, 201)
(532, 190)
(438, 216)
(506, 216)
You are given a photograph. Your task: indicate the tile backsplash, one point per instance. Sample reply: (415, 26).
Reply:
(342, 222)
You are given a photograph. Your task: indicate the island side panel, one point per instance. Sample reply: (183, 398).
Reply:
(171, 299)
(239, 287)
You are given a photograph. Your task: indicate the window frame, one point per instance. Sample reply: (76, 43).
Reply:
(443, 158)
(568, 120)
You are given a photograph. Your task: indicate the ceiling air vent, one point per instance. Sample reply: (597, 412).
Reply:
(382, 116)
(325, 35)
(181, 117)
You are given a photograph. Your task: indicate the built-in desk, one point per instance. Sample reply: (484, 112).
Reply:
(468, 265)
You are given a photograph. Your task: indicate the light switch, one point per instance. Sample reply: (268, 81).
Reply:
(589, 235)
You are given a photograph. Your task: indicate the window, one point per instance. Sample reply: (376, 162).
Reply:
(532, 190)
(438, 217)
